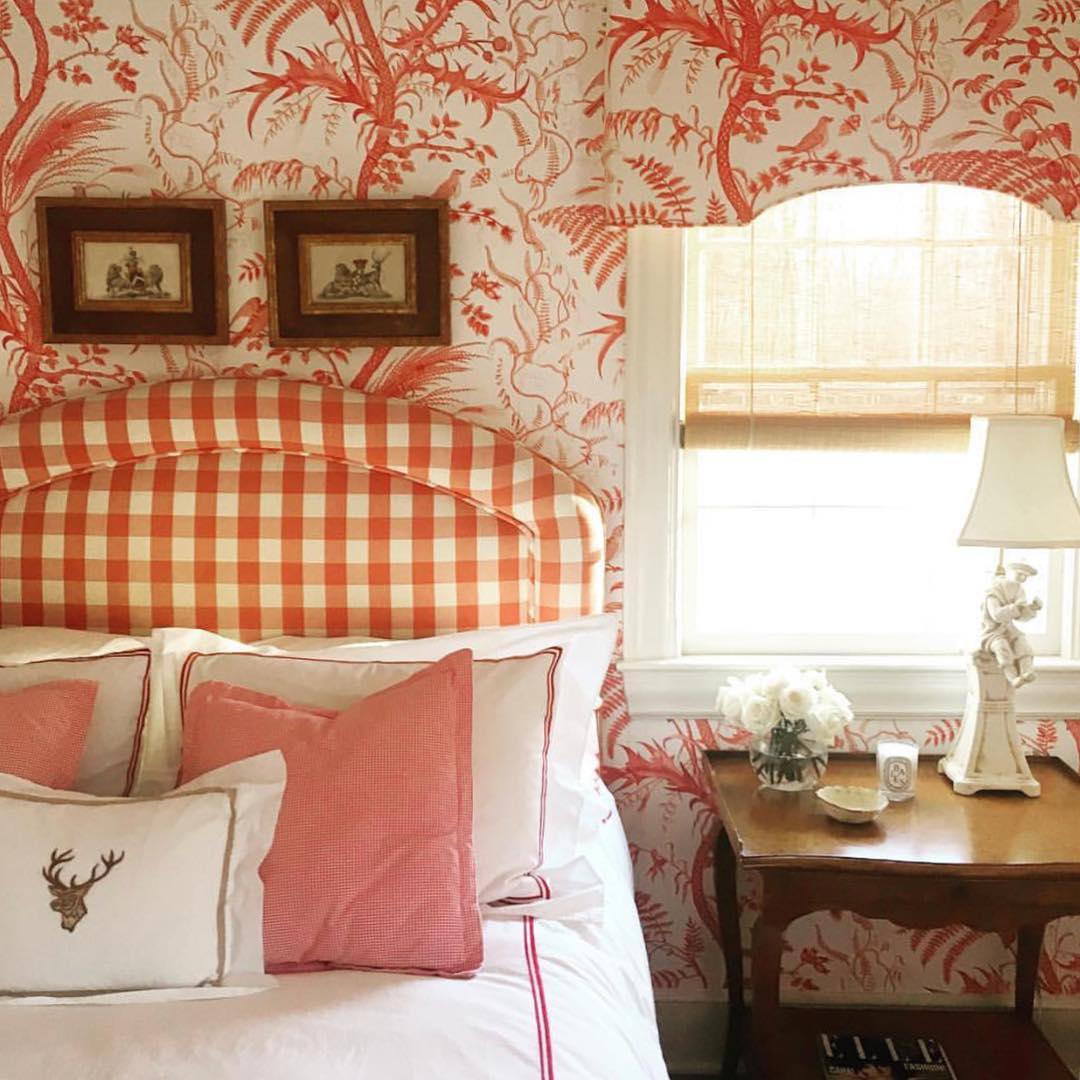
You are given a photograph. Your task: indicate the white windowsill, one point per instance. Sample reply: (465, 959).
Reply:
(878, 686)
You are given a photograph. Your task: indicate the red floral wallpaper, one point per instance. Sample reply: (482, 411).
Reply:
(521, 113)
(717, 110)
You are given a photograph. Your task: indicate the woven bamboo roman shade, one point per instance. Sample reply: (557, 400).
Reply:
(882, 316)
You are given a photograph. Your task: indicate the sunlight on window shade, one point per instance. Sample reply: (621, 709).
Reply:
(880, 315)
(834, 551)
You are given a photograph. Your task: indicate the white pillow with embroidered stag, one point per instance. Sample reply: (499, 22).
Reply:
(112, 900)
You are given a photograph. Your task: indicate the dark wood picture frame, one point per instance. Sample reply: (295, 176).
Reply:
(147, 312)
(354, 306)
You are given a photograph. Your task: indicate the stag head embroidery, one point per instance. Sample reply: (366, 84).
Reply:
(70, 897)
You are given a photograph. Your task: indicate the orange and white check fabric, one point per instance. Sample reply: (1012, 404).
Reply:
(256, 507)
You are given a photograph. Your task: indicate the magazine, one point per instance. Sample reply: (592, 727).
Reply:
(876, 1057)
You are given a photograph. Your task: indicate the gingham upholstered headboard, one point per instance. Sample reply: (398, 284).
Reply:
(257, 507)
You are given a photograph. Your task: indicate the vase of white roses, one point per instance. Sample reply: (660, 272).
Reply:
(793, 718)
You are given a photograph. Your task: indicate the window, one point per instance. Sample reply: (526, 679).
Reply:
(838, 552)
(832, 355)
(878, 315)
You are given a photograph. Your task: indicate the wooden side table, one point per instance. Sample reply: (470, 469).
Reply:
(994, 861)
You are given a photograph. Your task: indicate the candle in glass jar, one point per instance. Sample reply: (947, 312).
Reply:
(897, 768)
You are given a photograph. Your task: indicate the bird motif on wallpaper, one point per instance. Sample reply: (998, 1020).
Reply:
(450, 187)
(813, 140)
(996, 19)
(250, 323)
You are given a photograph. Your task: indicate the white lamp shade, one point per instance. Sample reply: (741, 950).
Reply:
(1024, 498)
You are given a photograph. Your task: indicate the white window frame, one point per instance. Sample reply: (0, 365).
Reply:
(660, 679)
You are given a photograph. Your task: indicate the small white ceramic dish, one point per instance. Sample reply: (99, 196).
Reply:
(852, 805)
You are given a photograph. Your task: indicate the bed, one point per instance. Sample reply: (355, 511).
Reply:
(259, 508)
(554, 1001)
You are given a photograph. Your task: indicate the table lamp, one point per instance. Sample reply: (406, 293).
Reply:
(1023, 499)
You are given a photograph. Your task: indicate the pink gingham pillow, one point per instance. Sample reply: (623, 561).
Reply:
(43, 730)
(372, 864)
(534, 736)
(32, 655)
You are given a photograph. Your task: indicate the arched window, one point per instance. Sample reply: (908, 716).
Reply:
(831, 355)
(877, 315)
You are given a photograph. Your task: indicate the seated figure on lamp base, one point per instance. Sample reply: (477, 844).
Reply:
(987, 754)
(1004, 605)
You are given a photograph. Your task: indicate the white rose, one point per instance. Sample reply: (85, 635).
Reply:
(837, 701)
(817, 679)
(729, 701)
(759, 714)
(826, 722)
(796, 700)
(755, 684)
(773, 682)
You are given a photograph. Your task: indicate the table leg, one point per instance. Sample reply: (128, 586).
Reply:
(765, 959)
(1029, 940)
(727, 903)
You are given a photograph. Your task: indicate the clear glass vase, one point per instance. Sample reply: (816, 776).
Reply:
(788, 758)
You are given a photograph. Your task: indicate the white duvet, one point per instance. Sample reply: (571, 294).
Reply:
(555, 1001)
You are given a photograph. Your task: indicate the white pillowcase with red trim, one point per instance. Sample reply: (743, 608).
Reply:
(535, 691)
(119, 665)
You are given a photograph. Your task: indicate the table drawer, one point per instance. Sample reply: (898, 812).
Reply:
(920, 900)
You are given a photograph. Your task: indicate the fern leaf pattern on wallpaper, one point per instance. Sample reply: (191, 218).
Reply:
(512, 113)
(811, 95)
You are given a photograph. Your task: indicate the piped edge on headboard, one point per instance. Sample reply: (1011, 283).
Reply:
(423, 445)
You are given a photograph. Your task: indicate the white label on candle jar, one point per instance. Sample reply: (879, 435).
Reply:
(897, 767)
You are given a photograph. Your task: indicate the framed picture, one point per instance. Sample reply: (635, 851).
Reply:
(133, 270)
(358, 273)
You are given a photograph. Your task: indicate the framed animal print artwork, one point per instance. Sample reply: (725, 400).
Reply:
(133, 270)
(358, 273)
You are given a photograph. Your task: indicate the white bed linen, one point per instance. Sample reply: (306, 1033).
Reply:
(554, 1001)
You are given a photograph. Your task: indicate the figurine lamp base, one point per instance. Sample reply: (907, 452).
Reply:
(987, 755)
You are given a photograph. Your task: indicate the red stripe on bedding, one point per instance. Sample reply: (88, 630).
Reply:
(140, 727)
(540, 1012)
(543, 892)
(556, 656)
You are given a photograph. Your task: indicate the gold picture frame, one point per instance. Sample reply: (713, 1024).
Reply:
(367, 274)
(325, 289)
(131, 271)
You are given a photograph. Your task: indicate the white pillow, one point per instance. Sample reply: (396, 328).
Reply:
(121, 668)
(106, 897)
(535, 689)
